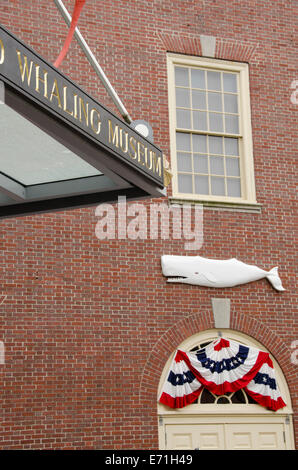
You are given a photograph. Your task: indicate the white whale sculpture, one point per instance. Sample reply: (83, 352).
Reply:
(215, 273)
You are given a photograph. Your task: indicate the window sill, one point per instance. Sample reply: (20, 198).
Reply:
(252, 207)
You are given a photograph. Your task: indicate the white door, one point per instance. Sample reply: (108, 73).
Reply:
(226, 434)
(233, 421)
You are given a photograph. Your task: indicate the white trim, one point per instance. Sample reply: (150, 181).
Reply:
(220, 205)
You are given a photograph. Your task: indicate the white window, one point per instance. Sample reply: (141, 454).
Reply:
(211, 143)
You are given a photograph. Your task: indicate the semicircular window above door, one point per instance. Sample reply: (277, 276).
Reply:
(207, 397)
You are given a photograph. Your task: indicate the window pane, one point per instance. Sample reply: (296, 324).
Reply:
(230, 82)
(199, 120)
(181, 76)
(184, 162)
(215, 122)
(231, 103)
(217, 165)
(199, 143)
(182, 98)
(184, 183)
(201, 185)
(231, 146)
(213, 81)
(231, 123)
(217, 186)
(199, 99)
(207, 397)
(234, 187)
(200, 163)
(198, 78)
(183, 118)
(215, 144)
(183, 141)
(232, 167)
(214, 101)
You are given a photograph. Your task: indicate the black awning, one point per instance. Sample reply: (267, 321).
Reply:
(59, 148)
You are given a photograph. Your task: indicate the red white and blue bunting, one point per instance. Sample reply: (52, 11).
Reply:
(222, 366)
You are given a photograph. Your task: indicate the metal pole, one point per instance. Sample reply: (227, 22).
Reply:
(92, 60)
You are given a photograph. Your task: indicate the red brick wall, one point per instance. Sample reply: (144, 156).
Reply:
(88, 325)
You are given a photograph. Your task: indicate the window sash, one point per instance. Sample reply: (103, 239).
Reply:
(244, 162)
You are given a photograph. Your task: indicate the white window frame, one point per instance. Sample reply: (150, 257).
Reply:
(245, 141)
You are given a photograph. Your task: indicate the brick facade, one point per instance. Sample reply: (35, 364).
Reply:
(88, 325)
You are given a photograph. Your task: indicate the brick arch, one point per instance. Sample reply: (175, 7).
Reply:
(163, 348)
(196, 323)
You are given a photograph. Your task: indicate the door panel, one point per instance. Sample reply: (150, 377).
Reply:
(250, 435)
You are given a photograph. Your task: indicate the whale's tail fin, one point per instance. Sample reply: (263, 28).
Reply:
(274, 279)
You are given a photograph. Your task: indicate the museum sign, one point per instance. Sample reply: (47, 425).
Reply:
(53, 132)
